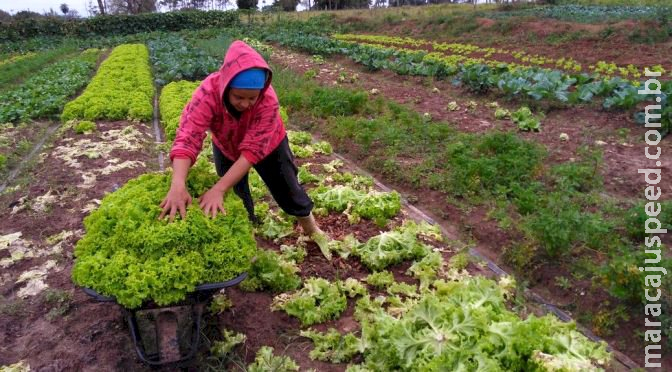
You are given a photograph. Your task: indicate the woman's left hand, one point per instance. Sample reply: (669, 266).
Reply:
(212, 202)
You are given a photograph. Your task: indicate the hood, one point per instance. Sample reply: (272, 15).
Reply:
(240, 57)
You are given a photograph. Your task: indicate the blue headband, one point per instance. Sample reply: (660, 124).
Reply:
(254, 78)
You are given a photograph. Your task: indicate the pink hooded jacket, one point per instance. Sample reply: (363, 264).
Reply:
(259, 130)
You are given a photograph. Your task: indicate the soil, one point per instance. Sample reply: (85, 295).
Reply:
(91, 336)
(532, 36)
(623, 155)
(16, 142)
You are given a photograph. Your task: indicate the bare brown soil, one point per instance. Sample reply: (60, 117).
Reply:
(16, 142)
(588, 126)
(89, 336)
(588, 43)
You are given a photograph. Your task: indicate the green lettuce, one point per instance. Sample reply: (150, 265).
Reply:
(129, 254)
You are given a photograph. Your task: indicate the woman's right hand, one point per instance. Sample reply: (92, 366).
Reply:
(178, 198)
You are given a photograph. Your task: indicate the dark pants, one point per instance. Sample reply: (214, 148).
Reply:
(278, 172)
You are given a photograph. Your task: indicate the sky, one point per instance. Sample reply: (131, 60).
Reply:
(41, 6)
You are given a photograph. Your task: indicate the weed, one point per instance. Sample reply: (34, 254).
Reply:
(16, 307)
(521, 256)
(564, 38)
(220, 303)
(60, 302)
(605, 321)
(623, 133)
(310, 74)
(317, 59)
(607, 32)
(23, 146)
(334, 102)
(563, 282)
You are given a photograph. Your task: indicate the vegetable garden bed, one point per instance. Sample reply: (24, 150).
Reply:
(399, 296)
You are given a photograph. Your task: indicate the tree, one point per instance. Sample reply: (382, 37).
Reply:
(247, 4)
(286, 5)
(100, 9)
(5, 16)
(341, 4)
(132, 6)
(26, 14)
(222, 4)
(65, 9)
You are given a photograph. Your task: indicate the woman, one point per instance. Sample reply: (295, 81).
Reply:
(240, 108)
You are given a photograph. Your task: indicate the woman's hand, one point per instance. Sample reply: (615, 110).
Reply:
(212, 202)
(177, 199)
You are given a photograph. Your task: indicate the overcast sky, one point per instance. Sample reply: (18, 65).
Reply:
(41, 6)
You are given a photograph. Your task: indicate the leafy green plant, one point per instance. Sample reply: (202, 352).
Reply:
(174, 97)
(477, 78)
(13, 71)
(335, 102)
(129, 254)
(316, 302)
(220, 303)
(635, 217)
(121, 89)
(465, 325)
(489, 164)
(273, 272)
(377, 206)
(332, 346)
(620, 275)
(501, 114)
(231, 339)
(265, 361)
(173, 59)
(380, 279)
(389, 248)
(85, 126)
(563, 282)
(526, 120)
(310, 74)
(459, 261)
(45, 93)
(299, 137)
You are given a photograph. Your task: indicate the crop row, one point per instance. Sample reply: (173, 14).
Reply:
(122, 88)
(173, 58)
(15, 58)
(590, 13)
(555, 210)
(46, 93)
(18, 67)
(485, 56)
(174, 97)
(523, 83)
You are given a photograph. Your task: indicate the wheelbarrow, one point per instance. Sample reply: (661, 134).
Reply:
(169, 347)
